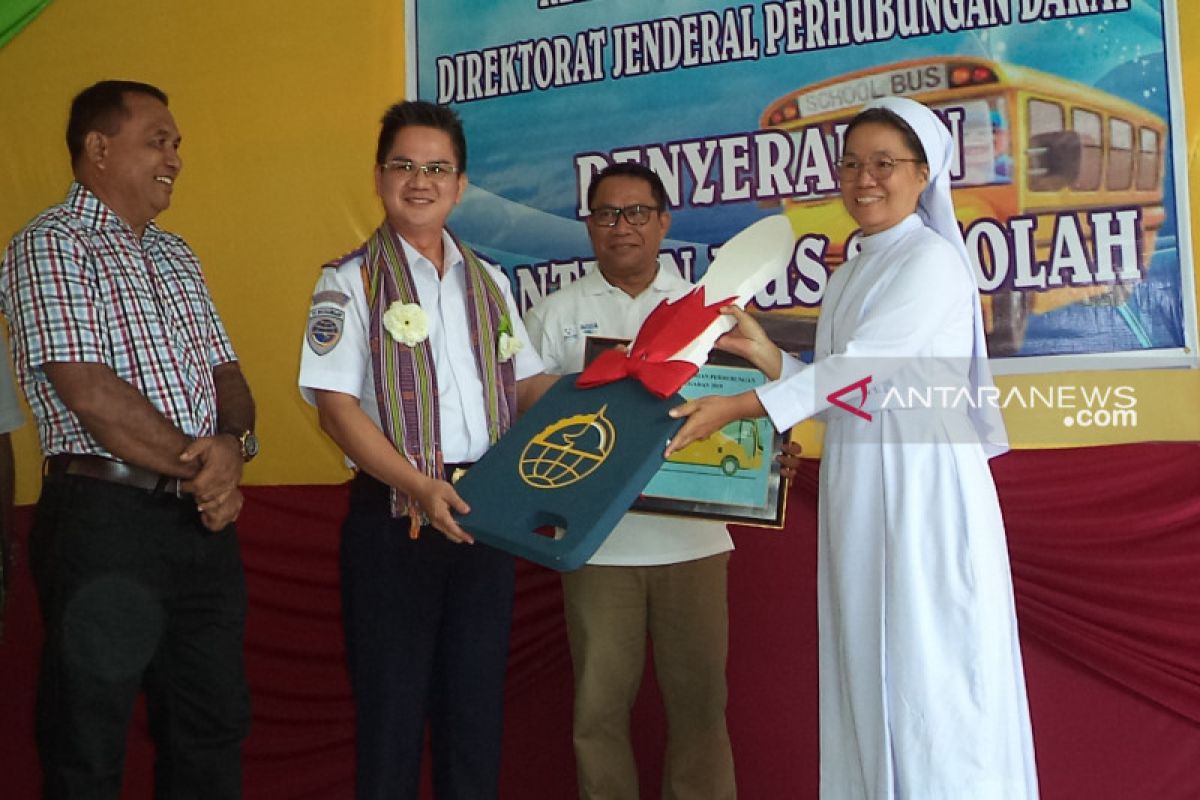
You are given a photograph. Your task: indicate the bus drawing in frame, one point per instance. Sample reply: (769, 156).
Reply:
(737, 446)
(1033, 145)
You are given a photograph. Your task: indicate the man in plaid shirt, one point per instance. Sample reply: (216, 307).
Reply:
(145, 420)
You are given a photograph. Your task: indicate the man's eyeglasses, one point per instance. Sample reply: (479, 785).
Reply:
(435, 170)
(880, 167)
(636, 214)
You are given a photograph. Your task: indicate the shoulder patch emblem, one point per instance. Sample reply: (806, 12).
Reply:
(331, 296)
(324, 328)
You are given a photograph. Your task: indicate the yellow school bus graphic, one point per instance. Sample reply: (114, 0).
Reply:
(737, 446)
(1034, 148)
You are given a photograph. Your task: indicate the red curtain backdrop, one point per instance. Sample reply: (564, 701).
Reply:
(1105, 546)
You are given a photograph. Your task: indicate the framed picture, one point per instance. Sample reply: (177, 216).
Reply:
(731, 476)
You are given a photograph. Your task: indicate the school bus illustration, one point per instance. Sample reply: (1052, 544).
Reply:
(737, 446)
(1032, 145)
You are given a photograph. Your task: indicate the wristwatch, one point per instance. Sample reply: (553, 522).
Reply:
(247, 441)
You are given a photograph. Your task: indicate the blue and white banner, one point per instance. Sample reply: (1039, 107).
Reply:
(1067, 113)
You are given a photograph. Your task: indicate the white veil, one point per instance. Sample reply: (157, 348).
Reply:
(936, 209)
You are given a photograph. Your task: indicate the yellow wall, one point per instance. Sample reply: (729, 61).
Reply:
(279, 103)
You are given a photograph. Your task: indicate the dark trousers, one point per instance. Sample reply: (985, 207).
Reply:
(427, 625)
(136, 594)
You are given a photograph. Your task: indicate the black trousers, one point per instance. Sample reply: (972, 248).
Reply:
(136, 594)
(427, 624)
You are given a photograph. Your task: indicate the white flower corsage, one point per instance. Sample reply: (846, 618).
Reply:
(508, 345)
(407, 323)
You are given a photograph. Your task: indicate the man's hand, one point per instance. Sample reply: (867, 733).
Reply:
(119, 417)
(437, 500)
(361, 439)
(531, 389)
(789, 459)
(217, 514)
(220, 460)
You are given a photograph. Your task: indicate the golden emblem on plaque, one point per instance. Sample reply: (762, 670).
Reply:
(567, 451)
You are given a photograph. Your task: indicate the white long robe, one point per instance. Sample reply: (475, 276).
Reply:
(921, 681)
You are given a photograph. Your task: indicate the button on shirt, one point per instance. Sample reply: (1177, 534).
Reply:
(79, 286)
(347, 366)
(559, 326)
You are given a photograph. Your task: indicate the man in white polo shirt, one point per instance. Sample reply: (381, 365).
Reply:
(655, 575)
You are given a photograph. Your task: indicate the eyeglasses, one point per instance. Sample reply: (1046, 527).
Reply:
(636, 214)
(438, 171)
(880, 167)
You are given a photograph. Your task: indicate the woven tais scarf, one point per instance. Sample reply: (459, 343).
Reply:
(405, 380)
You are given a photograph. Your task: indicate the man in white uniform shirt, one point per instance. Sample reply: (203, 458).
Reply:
(414, 361)
(655, 575)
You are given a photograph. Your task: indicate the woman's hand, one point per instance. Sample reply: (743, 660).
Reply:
(750, 341)
(706, 415)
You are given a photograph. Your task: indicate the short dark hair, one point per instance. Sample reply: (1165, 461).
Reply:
(885, 116)
(429, 115)
(101, 107)
(630, 169)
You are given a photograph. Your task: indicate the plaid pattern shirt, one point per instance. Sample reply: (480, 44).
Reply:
(78, 285)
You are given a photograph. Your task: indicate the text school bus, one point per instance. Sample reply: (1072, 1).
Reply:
(1059, 186)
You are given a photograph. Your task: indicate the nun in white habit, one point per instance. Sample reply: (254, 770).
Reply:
(922, 691)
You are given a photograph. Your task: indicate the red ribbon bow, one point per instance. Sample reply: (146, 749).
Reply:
(670, 327)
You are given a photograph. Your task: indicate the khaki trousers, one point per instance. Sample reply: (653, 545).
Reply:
(683, 608)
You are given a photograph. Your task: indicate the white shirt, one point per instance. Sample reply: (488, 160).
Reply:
(880, 320)
(559, 326)
(340, 301)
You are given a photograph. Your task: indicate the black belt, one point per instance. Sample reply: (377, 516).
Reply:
(105, 469)
(366, 491)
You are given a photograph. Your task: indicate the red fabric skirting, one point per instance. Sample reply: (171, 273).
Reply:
(1105, 546)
